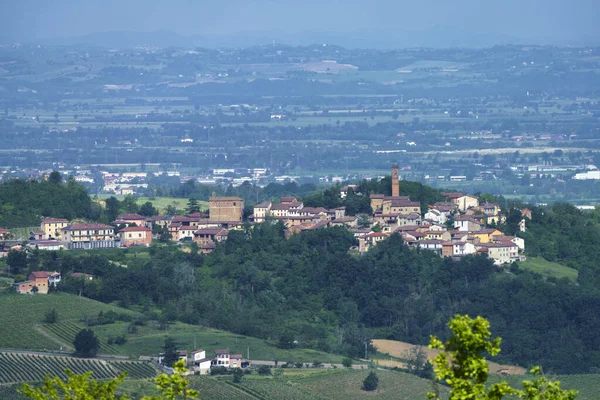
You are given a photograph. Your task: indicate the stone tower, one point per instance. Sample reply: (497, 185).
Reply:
(395, 181)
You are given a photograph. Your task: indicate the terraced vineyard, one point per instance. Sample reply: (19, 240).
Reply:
(135, 370)
(18, 367)
(67, 331)
(270, 389)
(214, 389)
(17, 332)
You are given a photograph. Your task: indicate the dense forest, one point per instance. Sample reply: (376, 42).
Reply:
(25, 202)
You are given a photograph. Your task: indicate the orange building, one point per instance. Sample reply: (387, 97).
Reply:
(136, 236)
(41, 280)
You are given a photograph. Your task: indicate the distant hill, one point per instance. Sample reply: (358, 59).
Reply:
(436, 37)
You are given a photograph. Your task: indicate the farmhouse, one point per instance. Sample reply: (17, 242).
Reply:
(40, 280)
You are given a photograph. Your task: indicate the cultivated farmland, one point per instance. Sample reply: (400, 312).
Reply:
(18, 367)
(20, 314)
(346, 385)
(67, 331)
(218, 390)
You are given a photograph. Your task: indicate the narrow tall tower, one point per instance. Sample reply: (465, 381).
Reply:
(395, 181)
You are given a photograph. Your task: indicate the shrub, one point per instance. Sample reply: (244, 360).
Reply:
(51, 316)
(347, 362)
(264, 370)
(371, 381)
(238, 375)
(86, 343)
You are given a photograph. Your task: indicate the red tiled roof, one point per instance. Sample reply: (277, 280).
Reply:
(377, 234)
(131, 217)
(222, 351)
(54, 220)
(77, 227)
(209, 231)
(136, 229)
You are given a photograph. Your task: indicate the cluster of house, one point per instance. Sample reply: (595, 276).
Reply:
(454, 228)
(225, 213)
(296, 217)
(198, 362)
(41, 281)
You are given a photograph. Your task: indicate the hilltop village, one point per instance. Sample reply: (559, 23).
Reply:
(459, 226)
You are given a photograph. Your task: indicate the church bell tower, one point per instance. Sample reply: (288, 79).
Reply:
(395, 181)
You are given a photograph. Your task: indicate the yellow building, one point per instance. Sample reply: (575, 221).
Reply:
(485, 235)
(52, 227)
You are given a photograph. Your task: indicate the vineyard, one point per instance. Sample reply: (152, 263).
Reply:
(17, 367)
(19, 315)
(271, 389)
(346, 385)
(218, 390)
(67, 331)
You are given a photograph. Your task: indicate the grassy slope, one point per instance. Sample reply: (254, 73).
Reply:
(549, 268)
(18, 332)
(159, 202)
(19, 314)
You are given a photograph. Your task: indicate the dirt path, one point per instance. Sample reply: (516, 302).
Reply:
(64, 346)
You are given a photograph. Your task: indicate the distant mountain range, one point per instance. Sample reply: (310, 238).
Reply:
(436, 37)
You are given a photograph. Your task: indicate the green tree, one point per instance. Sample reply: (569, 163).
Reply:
(82, 387)
(51, 316)
(371, 382)
(347, 362)
(55, 177)
(76, 387)
(169, 352)
(86, 343)
(174, 386)
(238, 375)
(462, 365)
(16, 261)
(112, 209)
(193, 206)
(148, 210)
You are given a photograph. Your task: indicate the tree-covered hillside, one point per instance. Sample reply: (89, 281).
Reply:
(25, 202)
(309, 289)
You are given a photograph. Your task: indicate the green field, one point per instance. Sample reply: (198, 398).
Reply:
(15, 367)
(160, 203)
(21, 313)
(31, 333)
(548, 268)
(148, 340)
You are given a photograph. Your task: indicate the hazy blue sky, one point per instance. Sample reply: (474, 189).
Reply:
(542, 20)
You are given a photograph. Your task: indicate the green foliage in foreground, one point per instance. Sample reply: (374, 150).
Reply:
(462, 365)
(82, 387)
